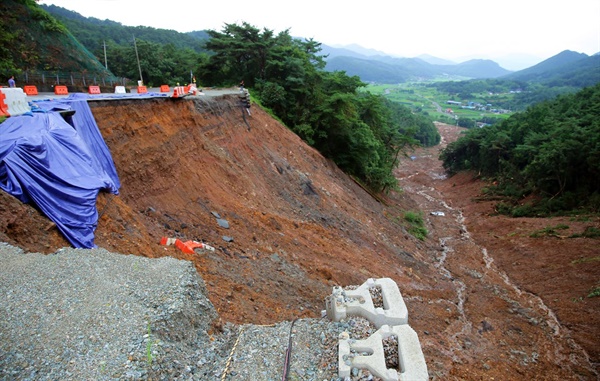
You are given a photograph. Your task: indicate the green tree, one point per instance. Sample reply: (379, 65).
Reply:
(552, 150)
(362, 133)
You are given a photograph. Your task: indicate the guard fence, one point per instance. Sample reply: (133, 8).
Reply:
(46, 80)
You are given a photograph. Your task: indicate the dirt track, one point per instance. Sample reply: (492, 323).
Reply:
(485, 301)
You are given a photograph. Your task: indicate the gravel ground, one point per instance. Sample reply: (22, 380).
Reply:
(95, 315)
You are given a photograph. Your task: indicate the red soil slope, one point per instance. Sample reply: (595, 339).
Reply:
(485, 305)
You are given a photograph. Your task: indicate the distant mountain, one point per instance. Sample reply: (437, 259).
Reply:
(551, 65)
(369, 70)
(476, 69)
(435, 60)
(566, 69)
(361, 50)
(517, 61)
(387, 69)
(332, 52)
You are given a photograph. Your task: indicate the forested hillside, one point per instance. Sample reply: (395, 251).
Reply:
(551, 152)
(32, 40)
(166, 56)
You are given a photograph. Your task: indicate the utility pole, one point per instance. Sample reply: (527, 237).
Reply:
(138, 60)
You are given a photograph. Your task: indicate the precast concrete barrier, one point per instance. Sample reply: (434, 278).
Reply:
(391, 320)
(13, 101)
(369, 354)
(359, 302)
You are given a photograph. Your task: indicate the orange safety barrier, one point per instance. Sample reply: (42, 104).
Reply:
(3, 106)
(61, 90)
(164, 88)
(142, 90)
(94, 89)
(167, 241)
(179, 92)
(187, 246)
(30, 90)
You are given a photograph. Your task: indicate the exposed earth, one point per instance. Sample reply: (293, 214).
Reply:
(487, 300)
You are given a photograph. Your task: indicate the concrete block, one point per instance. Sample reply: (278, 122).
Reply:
(14, 101)
(343, 303)
(369, 354)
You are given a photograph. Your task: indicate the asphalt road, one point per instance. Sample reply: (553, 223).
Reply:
(210, 92)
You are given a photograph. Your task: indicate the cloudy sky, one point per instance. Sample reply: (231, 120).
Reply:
(514, 33)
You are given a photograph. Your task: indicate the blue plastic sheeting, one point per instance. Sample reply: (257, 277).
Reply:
(59, 167)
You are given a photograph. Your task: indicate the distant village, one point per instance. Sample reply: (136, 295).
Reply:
(475, 106)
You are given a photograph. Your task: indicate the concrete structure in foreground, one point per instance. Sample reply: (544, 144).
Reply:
(391, 320)
(359, 302)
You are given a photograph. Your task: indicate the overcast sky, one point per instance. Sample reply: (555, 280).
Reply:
(517, 33)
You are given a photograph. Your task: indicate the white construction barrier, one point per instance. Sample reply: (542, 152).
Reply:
(13, 101)
(369, 354)
(343, 303)
(179, 92)
(120, 90)
(391, 320)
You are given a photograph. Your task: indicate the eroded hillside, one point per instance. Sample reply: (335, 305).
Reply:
(298, 226)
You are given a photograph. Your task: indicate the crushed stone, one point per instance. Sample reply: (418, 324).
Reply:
(95, 315)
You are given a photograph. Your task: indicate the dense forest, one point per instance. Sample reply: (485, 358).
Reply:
(548, 155)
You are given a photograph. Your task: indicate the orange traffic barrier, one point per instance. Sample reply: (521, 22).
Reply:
(179, 92)
(167, 241)
(3, 106)
(61, 90)
(187, 246)
(30, 90)
(183, 246)
(94, 89)
(142, 90)
(164, 88)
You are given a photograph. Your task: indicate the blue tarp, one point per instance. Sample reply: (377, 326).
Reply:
(58, 166)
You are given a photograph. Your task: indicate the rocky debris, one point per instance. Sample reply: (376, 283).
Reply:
(91, 314)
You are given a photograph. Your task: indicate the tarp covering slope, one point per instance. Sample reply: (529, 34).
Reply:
(59, 167)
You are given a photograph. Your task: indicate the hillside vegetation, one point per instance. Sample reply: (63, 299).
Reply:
(551, 152)
(166, 56)
(32, 40)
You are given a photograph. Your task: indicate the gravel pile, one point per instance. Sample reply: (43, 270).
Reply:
(95, 315)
